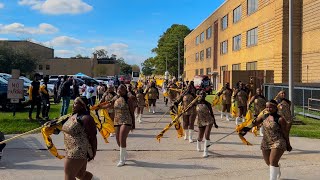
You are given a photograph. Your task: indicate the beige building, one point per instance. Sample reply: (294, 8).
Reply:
(249, 38)
(49, 65)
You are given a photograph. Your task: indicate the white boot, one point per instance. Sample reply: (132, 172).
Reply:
(185, 134)
(222, 114)
(227, 116)
(154, 110)
(243, 119)
(122, 157)
(274, 173)
(190, 135)
(198, 145)
(261, 131)
(238, 120)
(140, 117)
(149, 109)
(205, 149)
(95, 178)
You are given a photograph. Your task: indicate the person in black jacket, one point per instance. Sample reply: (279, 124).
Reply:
(34, 96)
(57, 84)
(65, 94)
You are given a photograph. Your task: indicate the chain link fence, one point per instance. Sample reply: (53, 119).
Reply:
(306, 97)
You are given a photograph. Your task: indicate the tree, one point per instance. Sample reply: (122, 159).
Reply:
(147, 66)
(168, 48)
(101, 53)
(135, 68)
(16, 59)
(125, 69)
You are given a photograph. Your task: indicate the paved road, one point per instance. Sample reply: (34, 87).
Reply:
(173, 158)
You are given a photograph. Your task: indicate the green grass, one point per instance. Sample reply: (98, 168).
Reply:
(21, 124)
(310, 129)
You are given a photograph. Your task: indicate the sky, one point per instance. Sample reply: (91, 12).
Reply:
(127, 28)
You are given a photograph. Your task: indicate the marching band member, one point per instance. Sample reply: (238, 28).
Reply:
(226, 93)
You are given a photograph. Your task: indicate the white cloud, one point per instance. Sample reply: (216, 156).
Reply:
(63, 41)
(63, 53)
(21, 29)
(1, 5)
(4, 39)
(57, 7)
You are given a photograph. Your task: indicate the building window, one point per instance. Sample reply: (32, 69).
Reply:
(209, 32)
(224, 22)
(197, 56)
(197, 71)
(252, 65)
(237, 14)
(185, 61)
(237, 43)
(252, 37)
(185, 48)
(40, 67)
(202, 37)
(47, 67)
(224, 47)
(236, 67)
(201, 71)
(208, 71)
(197, 40)
(252, 6)
(202, 55)
(208, 53)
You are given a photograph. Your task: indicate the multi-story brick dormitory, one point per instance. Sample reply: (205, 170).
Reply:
(250, 38)
(49, 65)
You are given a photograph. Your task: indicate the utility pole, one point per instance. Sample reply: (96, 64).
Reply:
(178, 59)
(291, 81)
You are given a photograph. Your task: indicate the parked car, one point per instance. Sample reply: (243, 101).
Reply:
(203, 82)
(26, 81)
(104, 80)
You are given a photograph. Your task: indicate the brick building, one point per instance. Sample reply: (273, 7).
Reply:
(249, 38)
(49, 65)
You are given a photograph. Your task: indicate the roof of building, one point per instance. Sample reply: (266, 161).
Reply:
(26, 41)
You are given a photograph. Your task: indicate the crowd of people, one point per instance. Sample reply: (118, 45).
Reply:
(126, 103)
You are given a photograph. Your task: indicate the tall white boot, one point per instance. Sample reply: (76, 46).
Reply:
(228, 116)
(205, 149)
(140, 118)
(222, 114)
(238, 120)
(243, 119)
(261, 131)
(274, 173)
(154, 110)
(198, 145)
(122, 160)
(190, 135)
(94, 178)
(185, 134)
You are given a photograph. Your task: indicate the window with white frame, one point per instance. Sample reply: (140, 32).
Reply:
(197, 71)
(252, 65)
(237, 42)
(224, 22)
(208, 71)
(236, 67)
(197, 56)
(237, 14)
(202, 55)
(252, 37)
(252, 6)
(202, 37)
(208, 53)
(209, 32)
(197, 40)
(224, 47)
(201, 71)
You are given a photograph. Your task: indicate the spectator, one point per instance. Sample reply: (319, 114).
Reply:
(57, 84)
(34, 96)
(65, 94)
(45, 98)
(101, 89)
(75, 89)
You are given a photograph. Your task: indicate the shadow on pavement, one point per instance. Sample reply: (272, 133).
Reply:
(301, 151)
(22, 156)
(167, 166)
(217, 155)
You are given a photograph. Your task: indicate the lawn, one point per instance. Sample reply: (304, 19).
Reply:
(21, 124)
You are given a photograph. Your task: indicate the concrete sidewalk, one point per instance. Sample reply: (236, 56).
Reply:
(173, 158)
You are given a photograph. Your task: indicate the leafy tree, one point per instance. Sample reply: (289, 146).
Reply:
(135, 68)
(148, 66)
(168, 48)
(125, 69)
(16, 59)
(101, 53)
